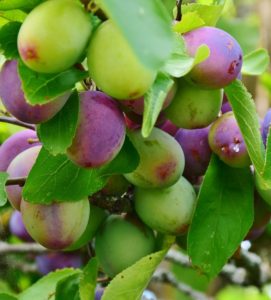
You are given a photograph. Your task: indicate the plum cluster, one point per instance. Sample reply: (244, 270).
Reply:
(191, 126)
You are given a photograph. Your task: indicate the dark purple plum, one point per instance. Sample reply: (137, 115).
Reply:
(14, 145)
(17, 228)
(98, 293)
(100, 133)
(226, 106)
(14, 100)
(20, 166)
(225, 60)
(226, 141)
(50, 262)
(266, 125)
(169, 127)
(197, 151)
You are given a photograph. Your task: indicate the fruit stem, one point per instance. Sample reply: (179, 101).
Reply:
(179, 10)
(16, 181)
(14, 121)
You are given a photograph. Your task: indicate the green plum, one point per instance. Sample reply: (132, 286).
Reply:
(54, 36)
(168, 210)
(161, 160)
(121, 241)
(114, 67)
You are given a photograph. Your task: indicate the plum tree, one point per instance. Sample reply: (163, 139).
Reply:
(225, 60)
(20, 166)
(197, 151)
(100, 132)
(14, 145)
(48, 42)
(16, 227)
(167, 210)
(13, 98)
(193, 106)
(50, 262)
(161, 160)
(226, 140)
(113, 65)
(58, 225)
(121, 241)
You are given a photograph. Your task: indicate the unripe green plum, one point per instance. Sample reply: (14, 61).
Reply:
(114, 67)
(194, 107)
(161, 160)
(167, 210)
(54, 36)
(58, 225)
(121, 241)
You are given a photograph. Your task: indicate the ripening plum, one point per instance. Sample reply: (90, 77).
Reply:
(161, 160)
(226, 141)
(54, 36)
(100, 132)
(169, 127)
(58, 225)
(14, 145)
(197, 151)
(13, 98)
(121, 241)
(194, 107)
(114, 67)
(20, 166)
(168, 210)
(50, 262)
(225, 60)
(17, 228)
(266, 125)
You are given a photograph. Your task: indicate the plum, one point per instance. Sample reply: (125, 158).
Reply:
(48, 41)
(121, 241)
(98, 293)
(58, 225)
(14, 145)
(169, 127)
(100, 132)
(226, 141)
(20, 166)
(225, 60)
(50, 262)
(266, 125)
(14, 100)
(197, 151)
(168, 210)
(161, 160)
(193, 106)
(17, 227)
(116, 185)
(114, 67)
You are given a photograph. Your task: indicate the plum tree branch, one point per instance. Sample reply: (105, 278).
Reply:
(6, 248)
(179, 10)
(16, 181)
(10, 120)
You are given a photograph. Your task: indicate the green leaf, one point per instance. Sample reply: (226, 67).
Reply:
(15, 15)
(154, 100)
(68, 288)
(88, 279)
(41, 88)
(3, 194)
(8, 39)
(44, 289)
(146, 25)
(245, 113)
(256, 62)
(180, 63)
(169, 4)
(190, 20)
(131, 283)
(56, 178)
(18, 4)
(223, 216)
(57, 134)
(4, 296)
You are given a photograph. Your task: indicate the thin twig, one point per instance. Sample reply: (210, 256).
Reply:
(16, 181)
(6, 248)
(16, 122)
(179, 10)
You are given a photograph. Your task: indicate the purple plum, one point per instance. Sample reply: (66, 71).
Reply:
(14, 145)
(197, 151)
(100, 133)
(50, 262)
(98, 293)
(17, 228)
(169, 127)
(265, 126)
(225, 60)
(14, 100)
(226, 140)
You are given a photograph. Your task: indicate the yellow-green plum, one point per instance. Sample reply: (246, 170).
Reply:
(161, 160)
(168, 210)
(58, 225)
(194, 107)
(113, 65)
(54, 36)
(121, 241)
